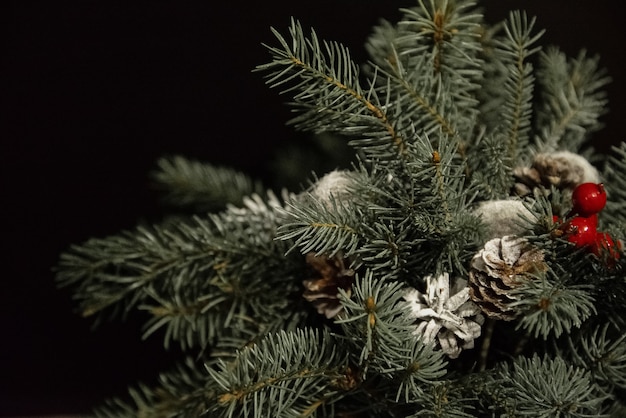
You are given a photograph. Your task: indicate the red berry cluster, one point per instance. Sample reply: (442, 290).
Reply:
(580, 227)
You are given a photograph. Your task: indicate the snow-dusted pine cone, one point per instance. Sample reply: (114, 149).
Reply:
(445, 314)
(503, 217)
(332, 274)
(562, 169)
(499, 268)
(337, 184)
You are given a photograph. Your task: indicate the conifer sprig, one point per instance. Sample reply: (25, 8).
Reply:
(446, 35)
(573, 99)
(326, 89)
(194, 278)
(373, 321)
(286, 374)
(553, 308)
(615, 181)
(182, 392)
(314, 227)
(602, 352)
(201, 187)
(516, 50)
(549, 387)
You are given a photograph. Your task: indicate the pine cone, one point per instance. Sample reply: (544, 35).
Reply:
(337, 184)
(323, 291)
(503, 217)
(563, 170)
(445, 314)
(499, 268)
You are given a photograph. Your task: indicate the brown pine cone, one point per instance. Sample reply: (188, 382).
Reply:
(562, 169)
(331, 275)
(499, 268)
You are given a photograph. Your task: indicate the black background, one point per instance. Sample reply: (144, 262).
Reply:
(93, 92)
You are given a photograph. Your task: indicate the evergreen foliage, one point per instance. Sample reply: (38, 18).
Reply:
(200, 187)
(439, 119)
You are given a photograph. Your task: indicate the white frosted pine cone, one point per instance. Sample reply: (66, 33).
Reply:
(503, 217)
(337, 185)
(445, 314)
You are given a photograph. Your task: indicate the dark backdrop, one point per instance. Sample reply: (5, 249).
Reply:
(93, 92)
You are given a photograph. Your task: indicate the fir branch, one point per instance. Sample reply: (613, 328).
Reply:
(425, 99)
(549, 387)
(197, 272)
(432, 63)
(611, 290)
(573, 99)
(441, 200)
(379, 46)
(286, 374)
(327, 92)
(201, 187)
(313, 226)
(218, 321)
(446, 31)
(437, 177)
(551, 308)
(615, 183)
(491, 95)
(180, 393)
(440, 120)
(516, 49)
(191, 320)
(444, 400)
(601, 353)
(388, 248)
(447, 36)
(112, 271)
(419, 376)
(422, 96)
(374, 321)
(491, 393)
(491, 167)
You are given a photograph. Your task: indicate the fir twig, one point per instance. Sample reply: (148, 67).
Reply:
(284, 374)
(201, 187)
(327, 91)
(574, 99)
(519, 83)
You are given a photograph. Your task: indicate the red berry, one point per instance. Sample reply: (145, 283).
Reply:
(605, 248)
(588, 199)
(581, 231)
(593, 219)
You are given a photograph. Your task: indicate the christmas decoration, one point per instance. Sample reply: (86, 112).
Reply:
(334, 187)
(445, 314)
(367, 290)
(504, 217)
(501, 266)
(588, 199)
(581, 231)
(606, 248)
(561, 169)
(323, 291)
